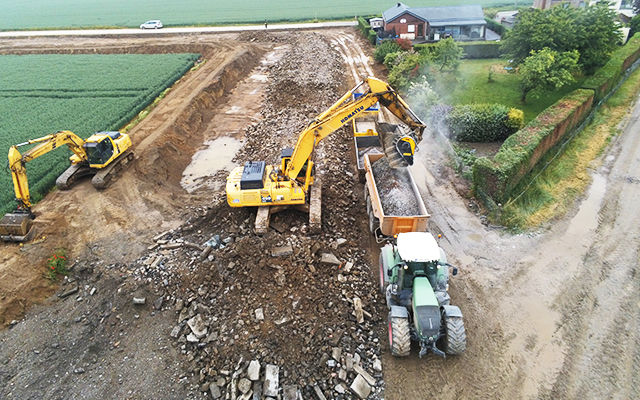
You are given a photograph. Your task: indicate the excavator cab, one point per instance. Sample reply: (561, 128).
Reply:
(99, 153)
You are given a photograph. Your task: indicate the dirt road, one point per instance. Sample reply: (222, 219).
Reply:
(549, 314)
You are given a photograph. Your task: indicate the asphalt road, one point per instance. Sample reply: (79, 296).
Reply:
(165, 31)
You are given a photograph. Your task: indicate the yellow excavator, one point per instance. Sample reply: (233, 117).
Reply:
(273, 187)
(102, 155)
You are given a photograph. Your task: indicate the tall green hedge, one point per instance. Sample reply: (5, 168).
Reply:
(483, 122)
(496, 178)
(365, 28)
(495, 26)
(472, 50)
(606, 78)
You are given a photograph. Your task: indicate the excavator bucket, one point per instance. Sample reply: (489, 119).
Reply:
(16, 227)
(397, 145)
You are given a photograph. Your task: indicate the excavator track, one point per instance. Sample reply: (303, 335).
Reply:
(72, 175)
(103, 177)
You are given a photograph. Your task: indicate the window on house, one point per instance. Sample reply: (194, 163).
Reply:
(411, 28)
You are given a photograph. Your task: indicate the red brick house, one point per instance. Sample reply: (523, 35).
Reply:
(435, 23)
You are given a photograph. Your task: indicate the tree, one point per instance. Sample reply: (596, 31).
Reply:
(447, 54)
(636, 6)
(422, 97)
(590, 30)
(634, 25)
(547, 69)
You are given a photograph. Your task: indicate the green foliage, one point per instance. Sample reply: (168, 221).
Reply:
(494, 179)
(422, 97)
(606, 78)
(590, 30)
(131, 13)
(447, 54)
(40, 94)
(547, 69)
(366, 30)
(384, 48)
(404, 67)
(495, 26)
(634, 25)
(483, 122)
(471, 50)
(57, 265)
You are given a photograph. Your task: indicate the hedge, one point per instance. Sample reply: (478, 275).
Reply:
(481, 49)
(365, 28)
(607, 77)
(496, 178)
(483, 122)
(495, 26)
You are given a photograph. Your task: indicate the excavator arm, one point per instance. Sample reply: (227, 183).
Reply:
(346, 108)
(17, 161)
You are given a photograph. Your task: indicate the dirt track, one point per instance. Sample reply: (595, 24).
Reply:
(552, 314)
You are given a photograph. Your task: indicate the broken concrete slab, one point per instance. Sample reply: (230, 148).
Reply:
(271, 382)
(329, 258)
(360, 387)
(359, 370)
(197, 325)
(282, 251)
(253, 371)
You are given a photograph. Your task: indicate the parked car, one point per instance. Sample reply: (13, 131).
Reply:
(153, 24)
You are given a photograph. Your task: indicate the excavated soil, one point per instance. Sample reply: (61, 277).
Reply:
(549, 314)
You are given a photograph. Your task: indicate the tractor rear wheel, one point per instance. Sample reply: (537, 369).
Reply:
(456, 338)
(399, 336)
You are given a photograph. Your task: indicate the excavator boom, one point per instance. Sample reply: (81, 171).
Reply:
(289, 184)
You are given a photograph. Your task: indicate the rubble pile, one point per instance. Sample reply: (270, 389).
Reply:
(394, 187)
(285, 315)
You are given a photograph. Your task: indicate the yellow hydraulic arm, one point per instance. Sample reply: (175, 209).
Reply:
(343, 111)
(17, 161)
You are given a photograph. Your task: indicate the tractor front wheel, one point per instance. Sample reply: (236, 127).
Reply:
(456, 338)
(399, 336)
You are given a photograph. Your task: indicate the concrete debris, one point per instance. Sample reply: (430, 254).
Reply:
(259, 314)
(271, 380)
(170, 246)
(336, 352)
(197, 325)
(340, 388)
(244, 385)
(191, 338)
(290, 392)
(360, 387)
(357, 305)
(139, 300)
(215, 391)
(253, 371)
(377, 365)
(319, 393)
(359, 370)
(329, 258)
(282, 251)
(175, 332)
(68, 292)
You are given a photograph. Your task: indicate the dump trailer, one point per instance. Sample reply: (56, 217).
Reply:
(394, 204)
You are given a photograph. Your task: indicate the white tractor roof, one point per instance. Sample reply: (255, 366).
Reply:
(418, 247)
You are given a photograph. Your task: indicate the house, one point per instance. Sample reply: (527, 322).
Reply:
(434, 23)
(506, 18)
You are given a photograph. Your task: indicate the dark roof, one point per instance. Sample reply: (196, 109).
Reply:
(439, 16)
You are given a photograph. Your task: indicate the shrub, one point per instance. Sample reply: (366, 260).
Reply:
(404, 67)
(495, 26)
(422, 97)
(57, 265)
(472, 50)
(483, 122)
(365, 28)
(384, 48)
(405, 44)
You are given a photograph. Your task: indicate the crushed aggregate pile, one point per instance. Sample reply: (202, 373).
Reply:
(394, 187)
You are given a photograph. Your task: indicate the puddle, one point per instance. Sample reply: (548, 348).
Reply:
(207, 162)
(586, 220)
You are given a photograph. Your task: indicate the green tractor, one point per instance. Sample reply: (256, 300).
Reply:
(414, 277)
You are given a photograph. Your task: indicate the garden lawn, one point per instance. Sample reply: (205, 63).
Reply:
(42, 94)
(41, 14)
(470, 85)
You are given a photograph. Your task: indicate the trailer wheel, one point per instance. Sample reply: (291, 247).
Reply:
(374, 223)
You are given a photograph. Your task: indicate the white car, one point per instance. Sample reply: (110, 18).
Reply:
(153, 24)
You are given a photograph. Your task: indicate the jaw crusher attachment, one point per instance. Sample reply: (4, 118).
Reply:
(397, 145)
